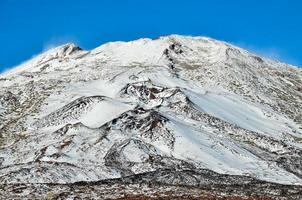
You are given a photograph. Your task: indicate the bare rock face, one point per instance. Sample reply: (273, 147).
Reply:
(187, 113)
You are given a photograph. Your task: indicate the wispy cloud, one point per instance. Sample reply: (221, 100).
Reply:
(49, 44)
(274, 53)
(57, 41)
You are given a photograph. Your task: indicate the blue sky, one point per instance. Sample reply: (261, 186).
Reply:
(272, 28)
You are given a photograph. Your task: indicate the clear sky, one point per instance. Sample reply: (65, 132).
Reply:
(272, 28)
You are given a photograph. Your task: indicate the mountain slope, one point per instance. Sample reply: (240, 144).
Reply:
(127, 108)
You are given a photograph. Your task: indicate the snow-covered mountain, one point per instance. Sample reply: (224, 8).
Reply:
(186, 104)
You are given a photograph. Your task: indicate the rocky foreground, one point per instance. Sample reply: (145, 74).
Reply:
(162, 184)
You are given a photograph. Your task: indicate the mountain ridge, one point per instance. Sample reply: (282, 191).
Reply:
(74, 45)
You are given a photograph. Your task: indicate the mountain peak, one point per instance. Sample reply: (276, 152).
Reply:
(67, 48)
(61, 52)
(173, 110)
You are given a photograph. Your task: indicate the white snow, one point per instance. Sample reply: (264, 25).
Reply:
(236, 111)
(104, 112)
(106, 70)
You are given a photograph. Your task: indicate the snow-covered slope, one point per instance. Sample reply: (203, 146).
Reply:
(126, 108)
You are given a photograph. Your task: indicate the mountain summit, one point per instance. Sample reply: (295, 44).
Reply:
(189, 113)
